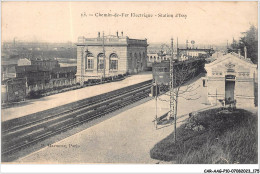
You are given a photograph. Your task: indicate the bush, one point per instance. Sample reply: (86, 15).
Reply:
(34, 94)
(228, 137)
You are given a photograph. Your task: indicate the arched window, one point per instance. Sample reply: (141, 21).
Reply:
(154, 58)
(100, 61)
(142, 60)
(113, 62)
(135, 60)
(131, 60)
(89, 63)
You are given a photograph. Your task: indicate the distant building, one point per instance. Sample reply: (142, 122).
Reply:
(122, 55)
(63, 75)
(157, 57)
(25, 67)
(188, 53)
(34, 78)
(24, 62)
(231, 77)
(47, 64)
(64, 72)
(38, 75)
(153, 57)
(33, 74)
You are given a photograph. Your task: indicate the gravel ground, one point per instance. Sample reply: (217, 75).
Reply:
(124, 138)
(44, 103)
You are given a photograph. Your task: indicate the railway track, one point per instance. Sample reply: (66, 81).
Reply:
(23, 132)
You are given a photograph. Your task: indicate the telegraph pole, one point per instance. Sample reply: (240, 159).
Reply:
(104, 57)
(156, 104)
(177, 48)
(82, 67)
(175, 101)
(171, 82)
(187, 44)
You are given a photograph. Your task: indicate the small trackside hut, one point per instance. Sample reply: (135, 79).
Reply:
(231, 78)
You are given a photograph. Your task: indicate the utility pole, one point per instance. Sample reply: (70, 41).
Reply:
(177, 49)
(82, 67)
(172, 97)
(161, 54)
(104, 57)
(175, 101)
(171, 83)
(156, 88)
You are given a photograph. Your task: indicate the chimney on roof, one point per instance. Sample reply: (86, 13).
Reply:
(122, 33)
(98, 34)
(239, 53)
(117, 34)
(245, 50)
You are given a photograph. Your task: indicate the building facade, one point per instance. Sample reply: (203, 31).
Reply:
(188, 53)
(33, 74)
(24, 62)
(109, 56)
(231, 78)
(46, 63)
(158, 57)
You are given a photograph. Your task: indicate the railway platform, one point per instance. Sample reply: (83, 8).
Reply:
(48, 102)
(126, 137)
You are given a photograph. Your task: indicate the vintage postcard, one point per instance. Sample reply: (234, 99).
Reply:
(130, 83)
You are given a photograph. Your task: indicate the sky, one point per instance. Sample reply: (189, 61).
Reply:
(205, 22)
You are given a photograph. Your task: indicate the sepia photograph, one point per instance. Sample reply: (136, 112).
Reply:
(132, 82)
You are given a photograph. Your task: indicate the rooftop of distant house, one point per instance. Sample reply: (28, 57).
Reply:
(195, 49)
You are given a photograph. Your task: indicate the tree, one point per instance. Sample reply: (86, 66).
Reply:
(250, 40)
(183, 72)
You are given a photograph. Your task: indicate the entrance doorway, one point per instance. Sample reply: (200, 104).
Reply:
(229, 90)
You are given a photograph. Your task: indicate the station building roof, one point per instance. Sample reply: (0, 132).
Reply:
(111, 40)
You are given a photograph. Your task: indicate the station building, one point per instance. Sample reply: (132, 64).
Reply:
(231, 77)
(122, 55)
